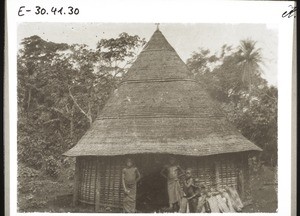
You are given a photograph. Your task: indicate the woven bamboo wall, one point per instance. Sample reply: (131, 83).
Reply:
(87, 180)
(228, 171)
(111, 192)
(202, 168)
(108, 170)
(218, 170)
(212, 170)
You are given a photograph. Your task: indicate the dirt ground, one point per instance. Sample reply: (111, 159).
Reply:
(44, 195)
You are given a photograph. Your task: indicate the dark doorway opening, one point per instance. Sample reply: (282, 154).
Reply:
(152, 194)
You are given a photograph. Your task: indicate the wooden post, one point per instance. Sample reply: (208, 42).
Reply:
(217, 171)
(241, 182)
(243, 177)
(76, 182)
(246, 177)
(98, 185)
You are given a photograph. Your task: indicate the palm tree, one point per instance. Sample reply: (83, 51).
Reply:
(249, 61)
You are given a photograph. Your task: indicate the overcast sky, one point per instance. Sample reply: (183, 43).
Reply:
(185, 38)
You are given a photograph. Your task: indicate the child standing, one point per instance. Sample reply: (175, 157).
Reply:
(130, 177)
(191, 191)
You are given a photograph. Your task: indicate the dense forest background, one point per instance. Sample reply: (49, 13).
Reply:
(63, 87)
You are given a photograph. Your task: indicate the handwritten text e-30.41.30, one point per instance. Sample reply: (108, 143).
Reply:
(38, 10)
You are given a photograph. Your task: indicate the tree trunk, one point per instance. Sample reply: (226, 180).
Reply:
(29, 99)
(72, 122)
(90, 114)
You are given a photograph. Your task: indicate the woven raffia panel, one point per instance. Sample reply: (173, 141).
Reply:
(205, 171)
(228, 171)
(87, 180)
(110, 171)
(111, 193)
(202, 168)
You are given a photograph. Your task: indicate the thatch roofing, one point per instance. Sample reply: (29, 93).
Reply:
(160, 108)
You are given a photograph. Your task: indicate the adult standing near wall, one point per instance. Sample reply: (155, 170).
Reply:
(172, 172)
(130, 177)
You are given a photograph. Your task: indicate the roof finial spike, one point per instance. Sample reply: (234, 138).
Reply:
(157, 26)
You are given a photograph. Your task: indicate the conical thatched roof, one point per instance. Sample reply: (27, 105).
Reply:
(160, 108)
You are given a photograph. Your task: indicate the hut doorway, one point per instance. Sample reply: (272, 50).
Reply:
(152, 194)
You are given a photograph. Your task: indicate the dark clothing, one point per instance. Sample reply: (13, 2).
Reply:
(193, 204)
(191, 192)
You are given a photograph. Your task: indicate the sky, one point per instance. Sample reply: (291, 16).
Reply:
(185, 38)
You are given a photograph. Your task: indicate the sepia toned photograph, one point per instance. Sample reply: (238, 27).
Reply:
(147, 117)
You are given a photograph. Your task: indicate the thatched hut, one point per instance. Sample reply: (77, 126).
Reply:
(158, 109)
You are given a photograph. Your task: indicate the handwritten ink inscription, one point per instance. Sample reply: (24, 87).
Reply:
(290, 13)
(51, 11)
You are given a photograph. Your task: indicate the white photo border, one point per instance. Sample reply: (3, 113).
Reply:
(165, 11)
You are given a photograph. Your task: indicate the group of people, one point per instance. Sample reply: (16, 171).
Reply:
(190, 196)
(207, 200)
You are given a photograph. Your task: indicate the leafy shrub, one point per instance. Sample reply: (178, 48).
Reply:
(25, 175)
(26, 172)
(52, 166)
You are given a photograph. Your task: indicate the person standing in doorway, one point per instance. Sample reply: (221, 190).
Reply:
(130, 177)
(172, 172)
(191, 191)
